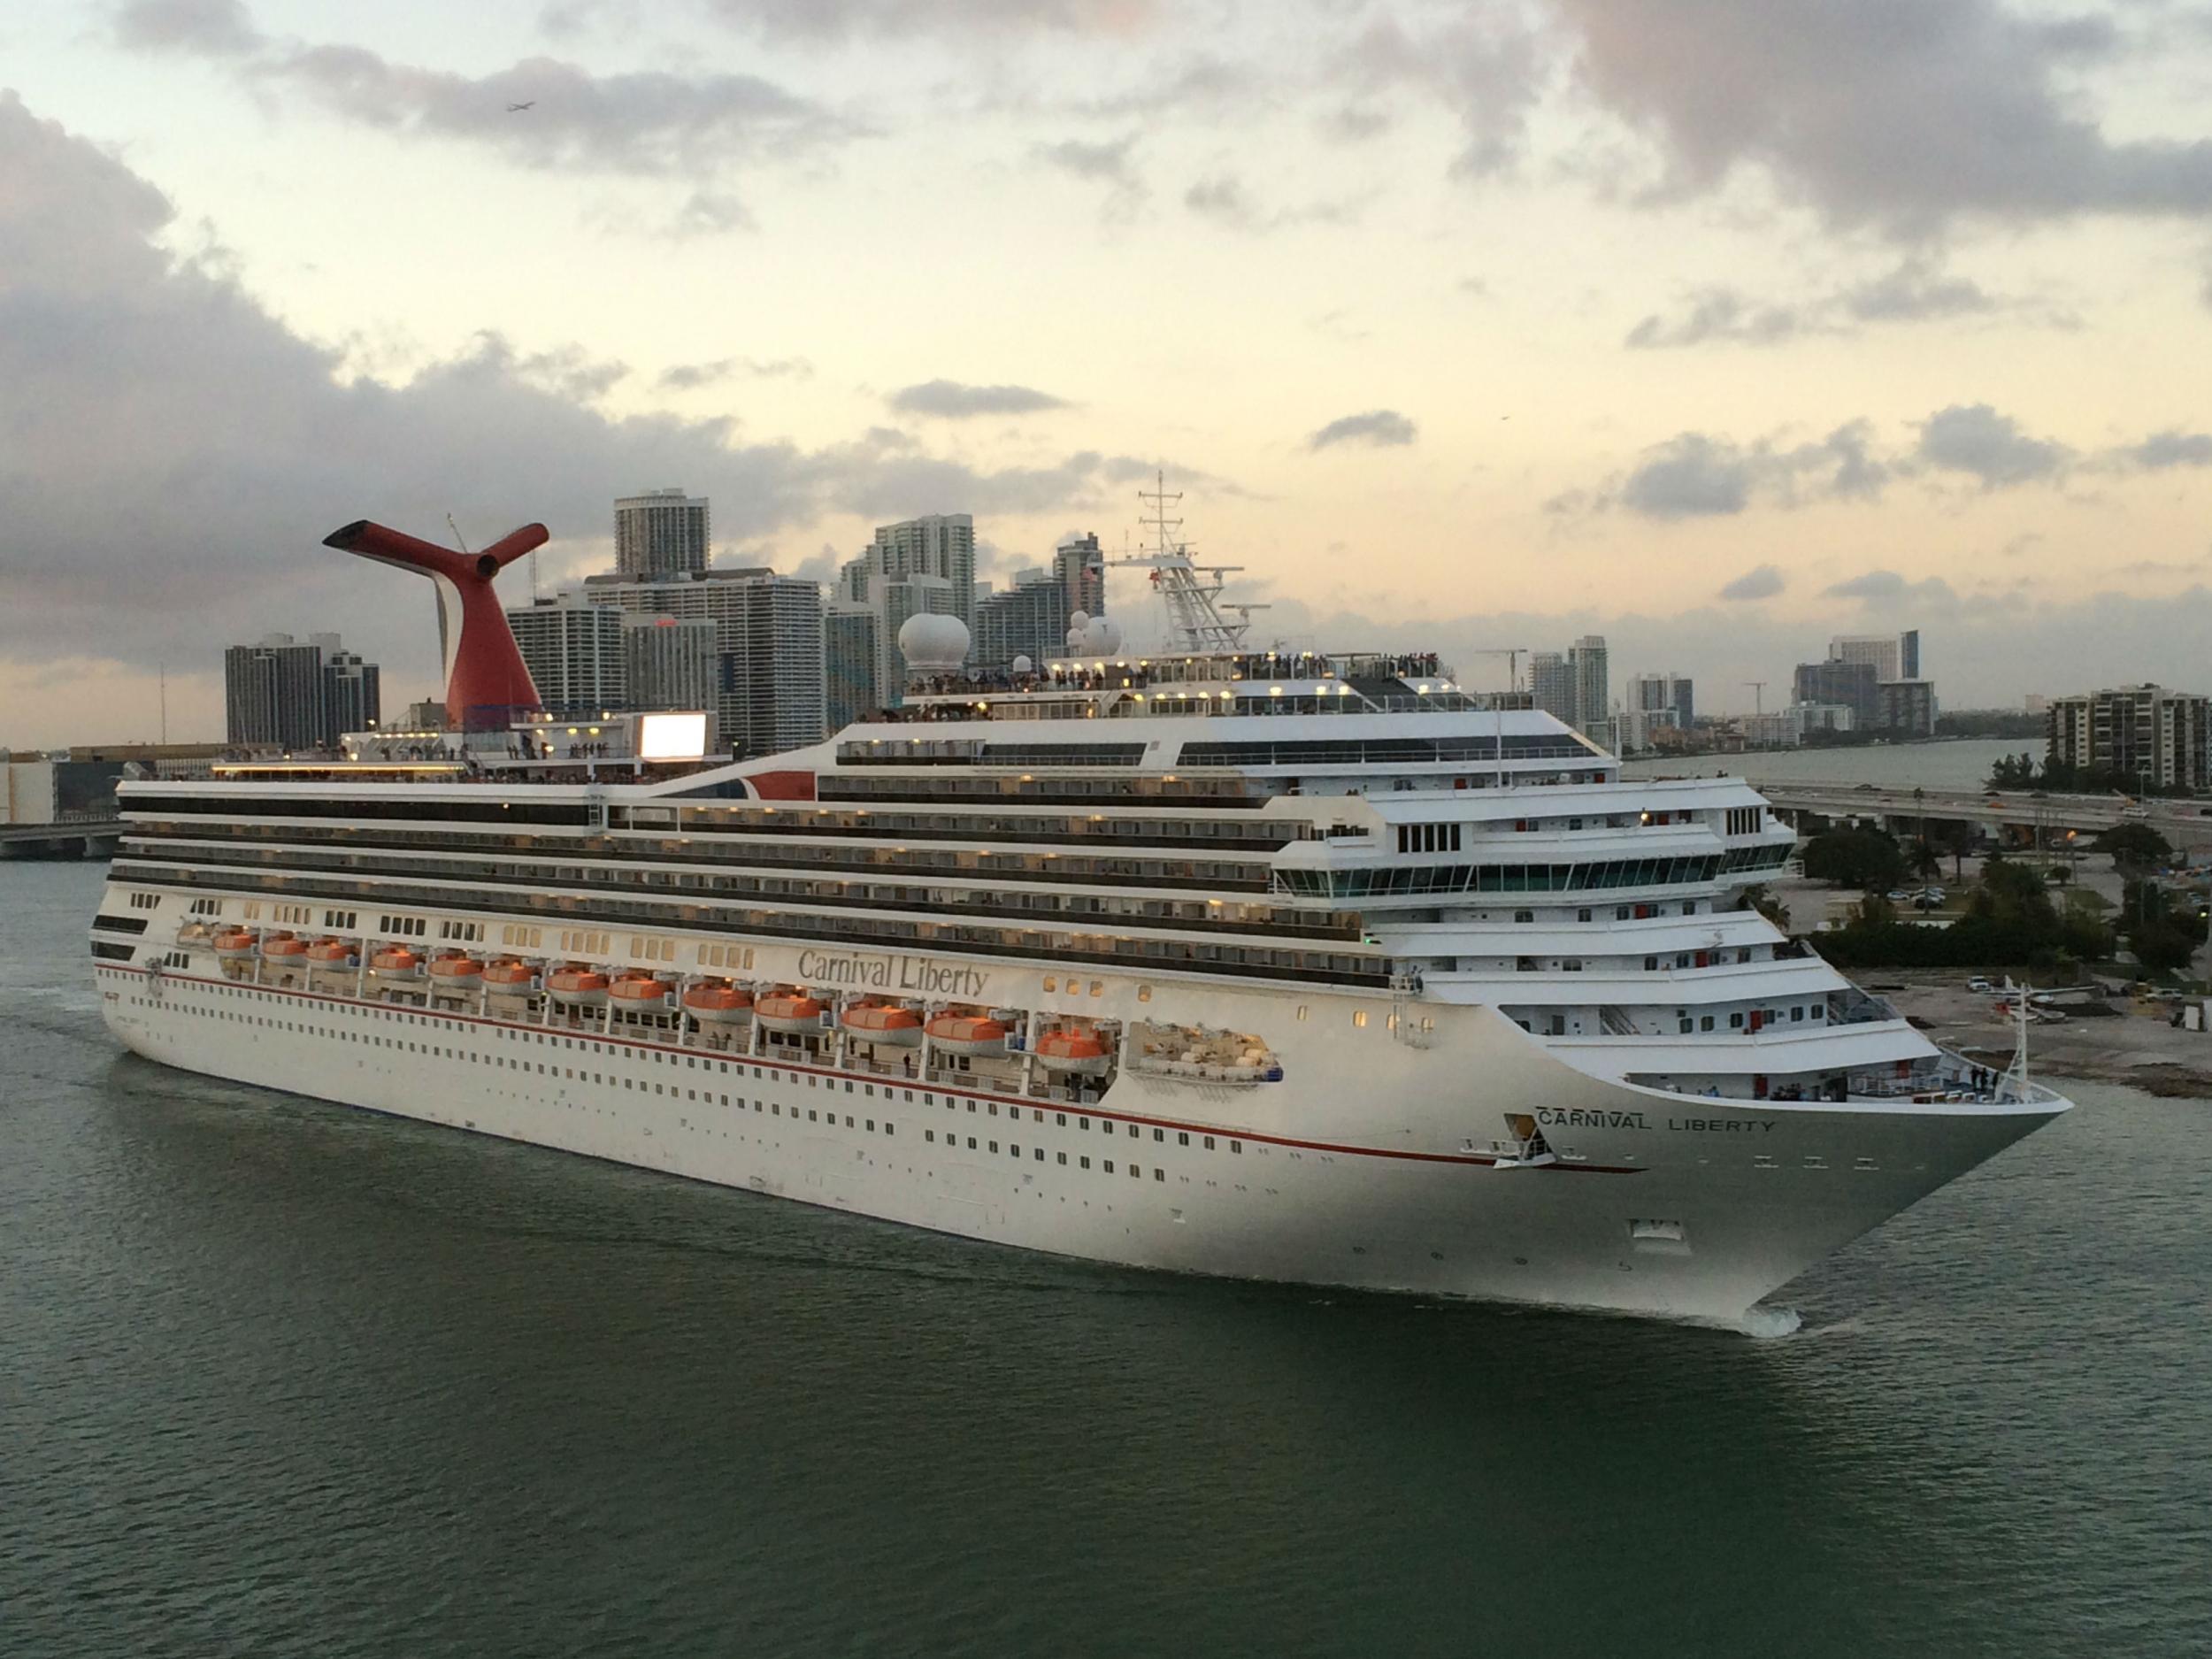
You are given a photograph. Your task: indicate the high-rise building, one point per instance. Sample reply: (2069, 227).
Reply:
(1881, 651)
(1906, 707)
(671, 664)
(849, 663)
(1668, 696)
(1594, 688)
(1551, 683)
(1080, 564)
(289, 693)
(1908, 654)
(1841, 679)
(662, 532)
(768, 648)
(353, 697)
(941, 545)
(2161, 737)
(573, 651)
(1027, 619)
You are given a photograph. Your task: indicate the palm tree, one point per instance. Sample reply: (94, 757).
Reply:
(1925, 862)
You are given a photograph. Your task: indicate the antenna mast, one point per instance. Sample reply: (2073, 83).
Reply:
(1195, 621)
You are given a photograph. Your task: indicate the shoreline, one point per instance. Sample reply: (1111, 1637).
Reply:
(2140, 1050)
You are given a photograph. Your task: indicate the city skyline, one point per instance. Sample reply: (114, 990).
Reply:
(1713, 387)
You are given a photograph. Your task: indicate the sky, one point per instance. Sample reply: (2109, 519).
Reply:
(1715, 326)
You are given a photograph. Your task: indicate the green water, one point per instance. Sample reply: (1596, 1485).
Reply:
(277, 1378)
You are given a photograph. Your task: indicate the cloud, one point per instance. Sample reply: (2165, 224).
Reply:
(1901, 115)
(1108, 163)
(1975, 439)
(688, 377)
(1224, 199)
(1915, 291)
(950, 400)
(648, 123)
(2163, 450)
(1376, 429)
(1881, 587)
(836, 21)
(176, 452)
(1693, 475)
(214, 28)
(1762, 581)
(1486, 66)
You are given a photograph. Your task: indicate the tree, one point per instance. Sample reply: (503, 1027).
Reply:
(2163, 944)
(1854, 858)
(1926, 863)
(2135, 847)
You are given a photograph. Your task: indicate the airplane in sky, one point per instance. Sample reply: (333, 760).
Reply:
(517, 109)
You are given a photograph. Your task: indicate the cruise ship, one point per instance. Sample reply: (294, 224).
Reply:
(1300, 966)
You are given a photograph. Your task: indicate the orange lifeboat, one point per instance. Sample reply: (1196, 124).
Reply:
(457, 972)
(331, 953)
(235, 944)
(642, 992)
(192, 933)
(396, 963)
(717, 1002)
(284, 947)
(1068, 1049)
(883, 1022)
(577, 986)
(969, 1034)
(510, 976)
(790, 1010)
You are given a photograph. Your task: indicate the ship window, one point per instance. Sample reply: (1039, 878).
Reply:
(1705, 1023)
(1651, 964)
(1108, 1166)
(1086, 1163)
(1582, 916)
(1684, 1025)
(1051, 985)
(1525, 915)
(1236, 1145)
(1735, 1020)
(1359, 1016)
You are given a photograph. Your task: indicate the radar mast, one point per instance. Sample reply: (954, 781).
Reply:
(1195, 620)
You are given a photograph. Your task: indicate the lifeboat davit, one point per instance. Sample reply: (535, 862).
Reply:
(789, 1011)
(235, 945)
(576, 987)
(642, 992)
(1080, 1052)
(457, 972)
(509, 976)
(398, 963)
(192, 933)
(883, 1022)
(719, 1005)
(331, 953)
(969, 1034)
(284, 947)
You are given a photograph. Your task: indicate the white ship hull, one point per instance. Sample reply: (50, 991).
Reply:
(1359, 1170)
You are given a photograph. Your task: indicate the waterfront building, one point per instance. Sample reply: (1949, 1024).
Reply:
(660, 533)
(849, 663)
(574, 652)
(1906, 707)
(1838, 680)
(286, 694)
(2161, 737)
(1669, 695)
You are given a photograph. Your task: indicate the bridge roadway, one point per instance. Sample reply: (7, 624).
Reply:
(2181, 822)
(88, 837)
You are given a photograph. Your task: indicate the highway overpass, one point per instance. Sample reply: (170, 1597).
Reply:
(2017, 815)
(85, 837)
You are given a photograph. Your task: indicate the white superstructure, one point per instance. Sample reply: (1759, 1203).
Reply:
(1305, 967)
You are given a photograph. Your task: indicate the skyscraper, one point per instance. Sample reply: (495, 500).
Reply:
(1552, 685)
(849, 663)
(1668, 698)
(941, 545)
(1852, 683)
(1593, 689)
(1030, 620)
(662, 532)
(1080, 565)
(287, 693)
(671, 664)
(767, 642)
(573, 651)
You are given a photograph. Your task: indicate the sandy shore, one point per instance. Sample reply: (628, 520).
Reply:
(2135, 1048)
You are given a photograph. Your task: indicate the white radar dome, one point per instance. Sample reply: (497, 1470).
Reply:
(1078, 620)
(934, 642)
(1023, 665)
(1101, 637)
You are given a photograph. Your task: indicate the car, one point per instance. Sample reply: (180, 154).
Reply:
(1897, 895)
(1978, 983)
(1865, 789)
(2135, 811)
